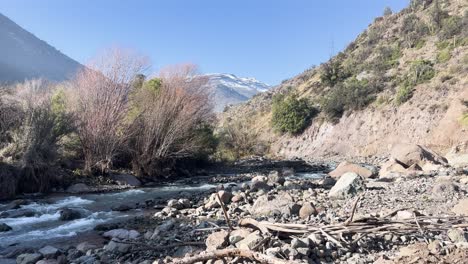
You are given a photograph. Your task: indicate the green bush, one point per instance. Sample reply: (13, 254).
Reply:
(413, 29)
(421, 71)
(291, 114)
(352, 95)
(404, 93)
(451, 26)
(332, 73)
(387, 58)
(443, 56)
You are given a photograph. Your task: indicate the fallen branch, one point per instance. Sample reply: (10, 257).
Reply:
(350, 219)
(225, 212)
(232, 253)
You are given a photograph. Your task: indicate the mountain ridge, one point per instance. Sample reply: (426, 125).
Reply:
(25, 56)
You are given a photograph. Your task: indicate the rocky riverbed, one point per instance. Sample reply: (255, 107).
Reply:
(394, 213)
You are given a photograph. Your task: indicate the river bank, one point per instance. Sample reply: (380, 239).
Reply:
(366, 214)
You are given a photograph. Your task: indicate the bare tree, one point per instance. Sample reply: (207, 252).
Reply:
(99, 103)
(169, 119)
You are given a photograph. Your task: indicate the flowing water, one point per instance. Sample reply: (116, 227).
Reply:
(41, 224)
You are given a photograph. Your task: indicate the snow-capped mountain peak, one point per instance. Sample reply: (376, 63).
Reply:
(230, 89)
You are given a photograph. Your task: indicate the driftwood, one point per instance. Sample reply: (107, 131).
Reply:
(225, 212)
(232, 253)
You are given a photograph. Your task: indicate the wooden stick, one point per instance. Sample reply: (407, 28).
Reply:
(255, 223)
(225, 212)
(350, 219)
(232, 253)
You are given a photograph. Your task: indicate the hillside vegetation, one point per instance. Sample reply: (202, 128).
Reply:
(401, 80)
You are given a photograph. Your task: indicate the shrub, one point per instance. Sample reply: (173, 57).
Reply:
(237, 140)
(173, 120)
(443, 56)
(99, 103)
(413, 30)
(421, 71)
(332, 73)
(387, 11)
(451, 26)
(387, 58)
(34, 142)
(352, 95)
(291, 114)
(437, 14)
(404, 93)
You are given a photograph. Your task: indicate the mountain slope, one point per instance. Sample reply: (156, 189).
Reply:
(230, 89)
(24, 56)
(402, 80)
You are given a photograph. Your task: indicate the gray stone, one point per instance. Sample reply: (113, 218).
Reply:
(85, 246)
(347, 186)
(237, 235)
(115, 246)
(4, 227)
(307, 210)
(217, 240)
(49, 251)
(166, 226)
(279, 204)
(48, 261)
(121, 208)
(461, 208)
(274, 177)
(67, 214)
(121, 234)
(28, 258)
(457, 235)
(250, 241)
(126, 179)
(259, 185)
(78, 188)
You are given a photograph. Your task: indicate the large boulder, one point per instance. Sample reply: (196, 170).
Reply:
(410, 154)
(345, 167)
(28, 258)
(67, 214)
(347, 186)
(267, 205)
(78, 188)
(392, 167)
(126, 179)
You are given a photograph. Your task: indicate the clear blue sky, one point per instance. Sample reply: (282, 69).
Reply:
(270, 40)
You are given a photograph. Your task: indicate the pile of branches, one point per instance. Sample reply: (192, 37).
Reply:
(339, 233)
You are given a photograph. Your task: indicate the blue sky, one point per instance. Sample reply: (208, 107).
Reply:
(270, 40)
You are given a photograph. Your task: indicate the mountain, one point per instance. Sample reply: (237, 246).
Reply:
(24, 56)
(230, 89)
(402, 80)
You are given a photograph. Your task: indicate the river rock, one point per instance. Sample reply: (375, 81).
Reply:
(345, 167)
(121, 208)
(259, 178)
(392, 166)
(457, 235)
(410, 154)
(28, 258)
(461, 208)
(307, 210)
(250, 241)
(67, 214)
(78, 188)
(182, 251)
(48, 261)
(444, 188)
(49, 251)
(4, 227)
(274, 177)
(166, 226)
(126, 179)
(217, 240)
(85, 246)
(121, 234)
(213, 200)
(259, 185)
(114, 246)
(237, 235)
(347, 186)
(268, 205)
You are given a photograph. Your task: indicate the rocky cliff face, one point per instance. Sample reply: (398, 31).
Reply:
(431, 115)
